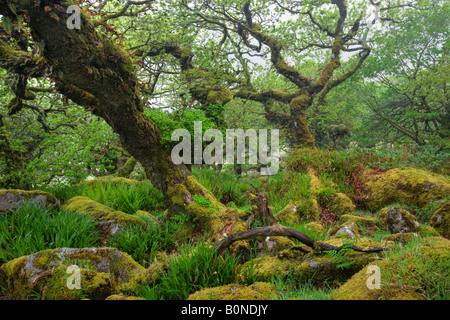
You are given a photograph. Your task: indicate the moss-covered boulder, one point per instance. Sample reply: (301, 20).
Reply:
(427, 231)
(112, 180)
(415, 271)
(273, 245)
(397, 220)
(93, 285)
(256, 291)
(103, 271)
(402, 238)
(360, 220)
(314, 226)
(109, 219)
(441, 220)
(407, 185)
(349, 230)
(288, 215)
(341, 204)
(13, 199)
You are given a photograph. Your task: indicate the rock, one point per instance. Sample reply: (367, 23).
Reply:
(341, 204)
(362, 221)
(13, 199)
(93, 285)
(112, 180)
(314, 226)
(288, 215)
(402, 238)
(110, 220)
(273, 245)
(103, 271)
(256, 291)
(397, 220)
(440, 220)
(434, 251)
(407, 185)
(349, 230)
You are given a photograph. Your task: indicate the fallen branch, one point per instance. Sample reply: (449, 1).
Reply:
(277, 230)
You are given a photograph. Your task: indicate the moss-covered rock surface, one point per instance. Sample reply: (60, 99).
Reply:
(13, 199)
(111, 220)
(407, 185)
(102, 272)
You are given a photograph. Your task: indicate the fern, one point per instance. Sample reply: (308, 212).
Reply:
(341, 258)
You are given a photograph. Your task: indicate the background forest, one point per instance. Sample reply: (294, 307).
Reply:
(359, 90)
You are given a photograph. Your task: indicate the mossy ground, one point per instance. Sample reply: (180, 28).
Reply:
(312, 197)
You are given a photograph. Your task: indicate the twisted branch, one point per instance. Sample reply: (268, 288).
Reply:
(278, 230)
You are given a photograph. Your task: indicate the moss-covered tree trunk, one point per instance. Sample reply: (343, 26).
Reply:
(100, 74)
(299, 134)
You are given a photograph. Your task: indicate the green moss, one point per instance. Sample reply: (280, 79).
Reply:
(341, 204)
(349, 230)
(105, 270)
(315, 226)
(185, 232)
(113, 180)
(14, 277)
(93, 285)
(274, 245)
(397, 220)
(416, 270)
(12, 199)
(232, 205)
(127, 168)
(110, 218)
(441, 220)
(222, 96)
(256, 291)
(122, 297)
(288, 215)
(363, 221)
(317, 266)
(407, 185)
(176, 192)
(400, 237)
(427, 231)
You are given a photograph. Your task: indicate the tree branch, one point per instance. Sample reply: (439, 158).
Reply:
(278, 230)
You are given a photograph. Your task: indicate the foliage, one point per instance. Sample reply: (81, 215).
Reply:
(341, 258)
(125, 197)
(289, 288)
(182, 119)
(287, 186)
(225, 186)
(142, 243)
(414, 269)
(198, 267)
(32, 229)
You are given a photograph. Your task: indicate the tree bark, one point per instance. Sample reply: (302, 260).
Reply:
(299, 134)
(94, 67)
